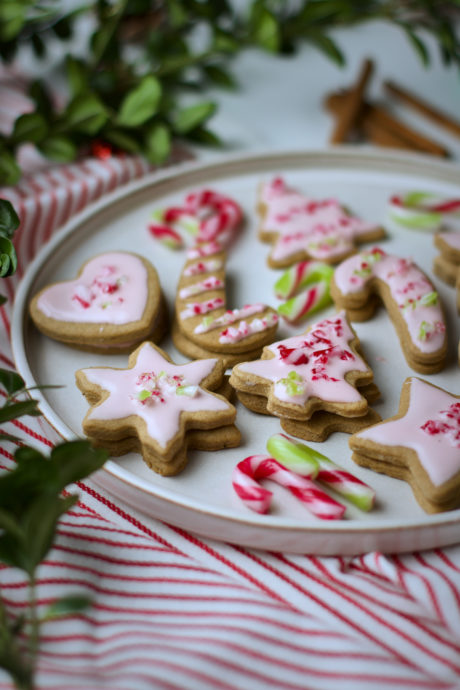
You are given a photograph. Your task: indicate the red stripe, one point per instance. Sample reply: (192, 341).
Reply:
(51, 220)
(444, 577)
(101, 557)
(404, 569)
(32, 433)
(5, 320)
(126, 578)
(7, 361)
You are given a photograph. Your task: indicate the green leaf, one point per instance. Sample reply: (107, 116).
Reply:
(205, 137)
(85, 113)
(141, 103)
(122, 140)
(189, 118)
(8, 259)
(224, 42)
(38, 93)
(75, 460)
(8, 437)
(29, 127)
(66, 606)
(12, 19)
(58, 148)
(265, 31)
(12, 552)
(11, 381)
(39, 524)
(157, 144)
(15, 410)
(418, 45)
(10, 172)
(9, 219)
(329, 48)
(220, 76)
(9, 524)
(3, 300)
(77, 75)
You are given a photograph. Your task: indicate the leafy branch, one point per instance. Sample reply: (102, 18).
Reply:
(143, 56)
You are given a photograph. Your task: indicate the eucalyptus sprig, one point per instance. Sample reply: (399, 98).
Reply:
(9, 222)
(142, 56)
(32, 500)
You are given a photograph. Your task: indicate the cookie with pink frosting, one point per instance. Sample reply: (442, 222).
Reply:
(414, 306)
(158, 409)
(320, 372)
(301, 228)
(420, 444)
(114, 303)
(203, 325)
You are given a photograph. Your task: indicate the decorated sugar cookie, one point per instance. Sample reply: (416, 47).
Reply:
(409, 297)
(302, 228)
(204, 326)
(420, 444)
(318, 370)
(158, 408)
(113, 304)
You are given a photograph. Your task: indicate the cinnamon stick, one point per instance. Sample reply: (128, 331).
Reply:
(352, 106)
(382, 125)
(423, 107)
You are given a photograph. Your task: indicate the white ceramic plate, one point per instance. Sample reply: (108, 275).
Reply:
(201, 499)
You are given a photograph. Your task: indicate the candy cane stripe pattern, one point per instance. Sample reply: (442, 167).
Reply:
(207, 328)
(205, 215)
(421, 210)
(300, 458)
(409, 297)
(300, 302)
(301, 228)
(258, 499)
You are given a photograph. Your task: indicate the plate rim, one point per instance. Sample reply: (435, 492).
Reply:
(346, 157)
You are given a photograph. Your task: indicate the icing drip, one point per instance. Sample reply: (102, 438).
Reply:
(211, 283)
(197, 308)
(418, 303)
(203, 267)
(316, 363)
(321, 228)
(230, 316)
(244, 330)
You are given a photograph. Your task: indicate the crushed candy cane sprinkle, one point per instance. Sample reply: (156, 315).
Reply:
(447, 424)
(155, 388)
(96, 293)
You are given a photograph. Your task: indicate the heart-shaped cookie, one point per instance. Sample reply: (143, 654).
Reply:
(114, 302)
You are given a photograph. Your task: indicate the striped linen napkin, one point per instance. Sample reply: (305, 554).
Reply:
(174, 611)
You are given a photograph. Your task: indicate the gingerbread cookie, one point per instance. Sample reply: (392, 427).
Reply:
(303, 228)
(114, 303)
(409, 297)
(158, 408)
(320, 372)
(420, 444)
(203, 325)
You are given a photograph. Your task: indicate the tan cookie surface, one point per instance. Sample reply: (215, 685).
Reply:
(114, 302)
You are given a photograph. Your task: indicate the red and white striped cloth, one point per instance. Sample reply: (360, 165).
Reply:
(173, 611)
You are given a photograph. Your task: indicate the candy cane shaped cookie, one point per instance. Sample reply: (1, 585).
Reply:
(257, 498)
(302, 228)
(203, 324)
(421, 210)
(409, 297)
(205, 215)
(299, 458)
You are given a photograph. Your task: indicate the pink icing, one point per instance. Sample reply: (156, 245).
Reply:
(211, 283)
(321, 228)
(319, 359)
(206, 249)
(229, 317)
(244, 330)
(203, 267)
(197, 308)
(451, 238)
(418, 303)
(161, 411)
(112, 288)
(430, 427)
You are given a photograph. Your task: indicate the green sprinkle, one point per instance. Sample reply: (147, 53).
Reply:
(425, 328)
(143, 395)
(430, 299)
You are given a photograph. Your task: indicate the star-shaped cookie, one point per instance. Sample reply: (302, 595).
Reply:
(317, 370)
(158, 408)
(420, 444)
(303, 228)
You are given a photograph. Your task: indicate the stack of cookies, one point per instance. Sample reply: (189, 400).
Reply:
(158, 409)
(316, 383)
(446, 265)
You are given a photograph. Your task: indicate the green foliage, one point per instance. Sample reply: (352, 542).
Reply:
(9, 222)
(144, 55)
(32, 501)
